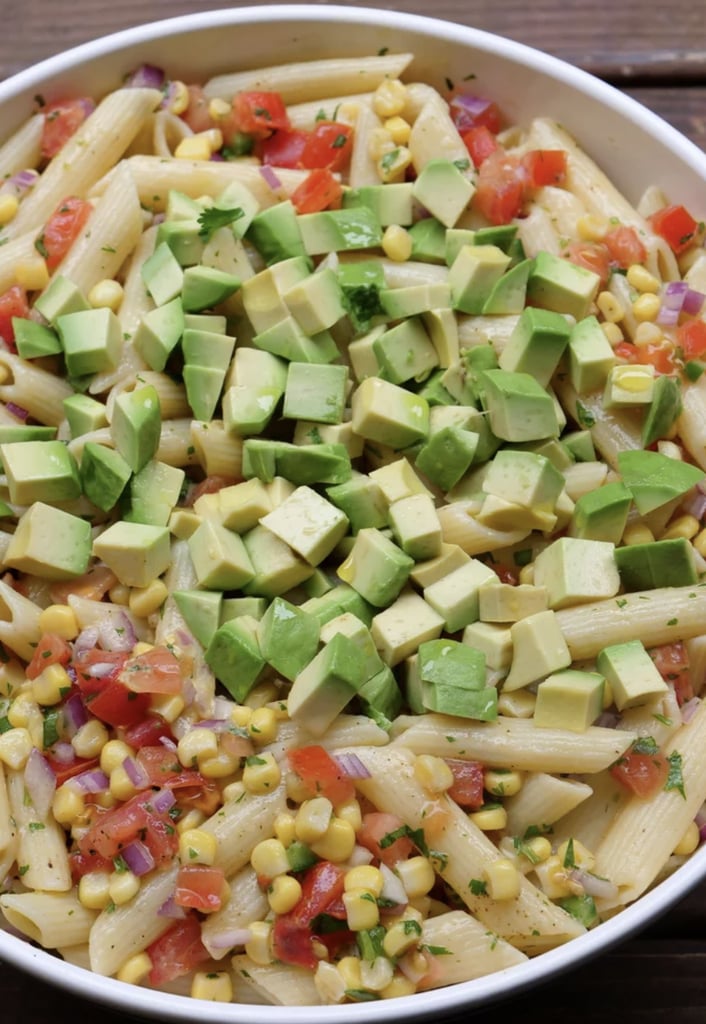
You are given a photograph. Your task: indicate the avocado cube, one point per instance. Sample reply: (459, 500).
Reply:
(443, 190)
(416, 527)
(575, 571)
(473, 274)
(50, 543)
(450, 557)
(455, 240)
(538, 649)
(519, 409)
(247, 410)
(493, 640)
(442, 327)
(481, 705)
(664, 410)
(308, 523)
(276, 233)
(525, 478)
(136, 552)
(162, 275)
(183, 522)
(288, 340)
(398, 480)
(306, 432)
(560, 285)
(570, 700)
(277, 567)
(591, 357)
(328, 683)
(361, 284)
(376, 567)
(92, 340)
(203, 389)
(252, 368)
(84, 414)
(362, 356)
(300, 464)
(234, 656)
(428, 240)
(260, 459)
(60, 296)
(205, 287)
(654, 479)
(40, 471)
(631, 674)
(659, 563)
(387, 413)
(399, 629)
(536, 344)
(580, 445)
(339, 230)
(262, 293)
(355, 629)
(237, 199)
(412, 685)
(508, 294)
(316, 303)
(202, 612)
(446, 456)
(499, 514)
(451, 663)
(602, 514)
(503, 602)
(456, 597)
(184, 238)
(13, 432)
(391, 203)
(380, 695)
(154, 492)
(104, 475)
(207, 348)
(316, 393)
(361, 500)
(219, 557)
(136, 425)
(237, 607)
(241, 506)
(415, 299)
(288, 637)
(180, 206)
(629, 385)
(33, 340)
(405, 352)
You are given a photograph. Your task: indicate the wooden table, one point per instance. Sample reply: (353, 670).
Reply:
(655, 51)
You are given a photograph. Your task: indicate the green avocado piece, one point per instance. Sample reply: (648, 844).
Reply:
(473, 275)
(276, 233)
(288, 637)
(184, 239)
(591, 357)
(50, 543)
(663, 412)
(207, 348)
(361, 284)
(83, 414)
(40, 471)
(328, 683)
(340, 230)
(136, 425)
(301, 464)
(162, 275)
(33, 340)
(204, 287)
(92, 340)
(389, 414)
(391, 203)
(536, 344)
(446, 455)
(288, 340)
(654, 479)
(481, 704)
(234, 656)
(381, 695)
(247, 409)
(659, 563)
(434, 392)
(60, 296)
(316, 393)
(569, 699)
(602, 514)
(220, 559)
(104, 475)
(428, 241)
(12, 432)
(453, 663)
(376, 567)
(519, 409)
(580, 445)
(631, 673)
(362, 501)
(443, 190)
(558, 284)
(136, 552)
(154, 493)
(405, 352)
(203, 389)
(202, 612)
(509, 292)
(158, 333)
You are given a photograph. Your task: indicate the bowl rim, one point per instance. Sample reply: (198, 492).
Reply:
(503, 984)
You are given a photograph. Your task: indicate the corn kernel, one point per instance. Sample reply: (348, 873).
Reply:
(364, 876)
(554, 879)
(612, 333)
(683, 526)
(258, 945)
(32, 274)
(59, 619)
(90, 739)
(167, 705)
(699, 543)
(639, 278)
(215, 986)
(219, 109)
(23, 711)
(350, 811)
(399, 130)
(646, 307)
(144, 601)
(337, 843)
(399, 986)
(391, 167)
(539, 848)
(106, 294)
(240, 715)
(197, 846)
(297, 790)
(376, 976)
(580, 855)
(503, 879)
(262, 726)
(12, 676)
(196, 744)
(349, 969)
(401, 936)
(591, 228)
(313, 819)
(362, 910)
(121, 785)
(689, 841)
(269, 858)
(284, 828)
(635, 380)
(379, 143)
(113, 754)
(201, 146)
(638, 533)
(123, 886)
(119, 594)
(390, 97)
(263, 693)
(261, 774)
(135, 969)
(433, 773)
(517, 703)
(489, 819)
(417, 876)
(50, 686)
(648, 334)
(609, 307)
(9, 205)
(180, 98)
(284, 894)
(219, 766)
(68, 804)
(502, 783)
(93, 890)
(15, 747)
(193, 819)
(397, 243)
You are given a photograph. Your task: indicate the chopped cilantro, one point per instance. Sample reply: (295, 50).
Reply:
(584, 416)
(436, 950)
(36, 826)
(361, 995)
(478, 887)
(645, 745)
(339, 141)
(214, 217)
(582, 908)
(569, 858)
(675, 778)
(41, 247)
(388, 160)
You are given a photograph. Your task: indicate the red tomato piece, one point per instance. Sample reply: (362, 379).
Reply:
(376, 827)
(62, 229)
(292, 934)
(507, 574)
(84, 863)
(115, 829)
(691, 338)
(676, 225)
(13, 303)
(501, 188)
(593, 256)
(328, 145)
(155, 671)
(642, 773)
(624, 245)
(672, 663)
(259, 113)
(190, 788)
(160, 763)
(61, 120)
(93, 585)
(200, 887)
(321, 774)
(50, 650)
(196, 114)
(545, 167)
(148, 733)
(177, 951)
(467, 788)
(64, 770)
(108, 699)
(319, 191)
(480, 112)
(283, 148)
(480, 143)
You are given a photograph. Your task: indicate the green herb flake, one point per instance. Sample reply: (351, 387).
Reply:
(411, 927)
(36, 826)
(389, 159)
(645, 745)
(340, 141)
(675, 777)
(478, 887)
(569, 857)
(435, 950)
(621, 602)
(361, 995)
(41, 247)
(23, 869)
(584, 416)
(214, 217)
(672, 622)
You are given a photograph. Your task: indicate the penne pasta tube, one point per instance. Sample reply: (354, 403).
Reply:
(41, 393)
(347, 730)
(466, 950)
(50, 918)
(543, 800)
(242, 823)
(41, 842)
(458, 526)
(19, 621)
(274, 984)
(23, 148)
(247, 903)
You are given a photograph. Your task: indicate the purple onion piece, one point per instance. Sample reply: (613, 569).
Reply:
(136, 773)
(86, 640)
(17, 410)
(693, 301)
(117, 633)
(63, 753)
(138, 858)
(75, 714)
(668, 317)
(147, 76)
(93, 781)
(270, 177)
(696, 504)
(170, 908)
(163, 800)
(352, 766)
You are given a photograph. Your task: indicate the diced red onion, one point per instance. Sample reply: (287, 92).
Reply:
(168, 742)
(695, 505)
(170, 89)
(352, 766)
(270, 177)
(693, 301)
(19, 183)
(92, 781)
(86, 640)
(599, 888)
(138, 858)
(668, 317)
(63, 753)
(87, 105)
(214, 724)
(117, 633)
(218, 157)
(222, 707)
(392, 887)
(147, 76)
(40, 782)
(678, 298)
(229, 939)
(136, 773)
(16, 410)
(75, 714)
(700, 821)
(163, 800)
(674, 293)
(100, 670)
(466, 109)
(688, 710)
(170, 908)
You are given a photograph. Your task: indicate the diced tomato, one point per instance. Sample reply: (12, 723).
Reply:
(480, 143)
(62, 229)
(177, 951)
(593, 256)
(200, 887)
(148, 733)
(115, 829)
(501, 188)
(209, 485)
(676, 226)
(93, 585)
(62, 120)
(625, 247)
(106, 697)
(321, 774)
(64, 770)
(319, 191)
(642, 773)
(467, 788)
(50, 650)
(155, 671)
(189, 786)
(196, 114)
(672, 663)
(283, 148)
(259, 113)
(328, 145)
(480, 112)
(292, 933)
(545, 167)
(663, 356)
(376, 826)
(691, 338)
(84, 863)
(13, 303)
(160, 763)
(507, 574)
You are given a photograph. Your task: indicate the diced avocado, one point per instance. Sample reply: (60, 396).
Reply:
(277, 567)
(376, 567)
(361, 284)
(455, 597)
(183, 522)
(203, 389)
(580, 445)
(575, 571)
(40, 471)
(300, 464)
(213, 322)
(494, 640)
(659, 563)
(654, 479)
(570, 700)
(412, 685)
(247, 410)
(591, 356)
(83, 414)
(316, 392)
(415, 299)
(234, 656)
(416, 527)
(519, 409)
(33, 340)
(473, 274)
(162, 275)
(137, 553)
(663, 412)
(50, 543)
(558, 284)
(318, 584)
(136, 425)
(60, 297)
(434, 393)
(455, 240)
(219, 557)
(629, 384)
(398, 480)
(184, 238)
(181, 207)
(92, 340)
(391, 203)
(538, 647)
(154, 493)
(442, 327)
(339, 230)
(450, 557)
(508, 294)
(355, 629)
(442, 189)
(14, 432)
(311, 525)
(262, 294)
(237, 607)
(428, 240)
(399, 629)
(362, 501)
(205, 287)
(405, 352)
(202, 612)
(104, 475)
(337, 601)
(524, 477)
(452, 663)
(288, 637)
(602, 514)
(331, 679)
(503, 602)
(361, 353)
(241, 506)
(537, 344)
(252, 368)
(276, 233)
(287, 339)
(316, 303)
(237, 198)
(385, 412)
(631, 674)
(501, 514)
(207, 348)
(551, 448)
(446, 455)
(451, 700)
(380, 696)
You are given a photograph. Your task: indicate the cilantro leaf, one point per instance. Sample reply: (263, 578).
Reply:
(675, 778)
(214, 217)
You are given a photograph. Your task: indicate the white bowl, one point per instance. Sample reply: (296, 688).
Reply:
(632, 145)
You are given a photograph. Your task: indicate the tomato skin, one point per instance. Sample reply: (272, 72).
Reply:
(545, 167)
(501, 187)
(200, 887)
(51, 650)
(84, 863)
(486, 114)
(107, 698)
(148, 733)
(321, 774)
(164, 770)
(319, 191)
(64, 770)
(672, 663)
(480, 143)
(292, 934)
(155, 671)
(13, 303)
(177, 951)
(259, 113)
(593, 256)
(61, 120)
(378, 824)
(467, 788)
(62, 229)
(93, 585)
(691, 338)
(642, 774)
(676, 225)
(662, 357)
(283, 148)
(115, 829)
(328, 145)
(625, 247)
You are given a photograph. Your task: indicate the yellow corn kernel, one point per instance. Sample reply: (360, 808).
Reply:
(399, 130)
(683, 526)
(261, 774)
(258, 945)
(106, 294)
(591, 228)
(262, 726)
(517, 703)
(191, 820)
(113, 754)
(219, 766)
(269, 858)
(638, 533)
(15, 747)
(195, 745)
(135, 969)
(284, 894)
(639, 278)
(313, 819)
(179, 98)
(167, 705)
(376, 975)
(119, 594)
(417, 876)
(105, 799)
(397, 243)
(123, 886)
(22, 711)
(215, 986)
(433, 773)
(379, 143)
(391, 167)
(263, 693)
(689, 841)
(362, 910)
(240, 715)
(349, 969)
(197, 846)
(51, 684)
(219, 109)
(350, 811)
(539, 848)
(401, 936)
(609, 307)
(201, 146)
(68, 804)
(612, 333)
(503, 879)
(699, 543)
(141, 647)
(93, 890)
(9, 205)
(297, 790)
(390, 97)
(580, 855)
(32, 273)
(501, 783)
(364, 876)
(489, 819)
(12, 676)
(285, 828)
(90, 739)
(144, 601)
(646, 307)
(59, 619)
(121, 785)
(399, 986)
(337, 843)
(648, 334)
(553, 878)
